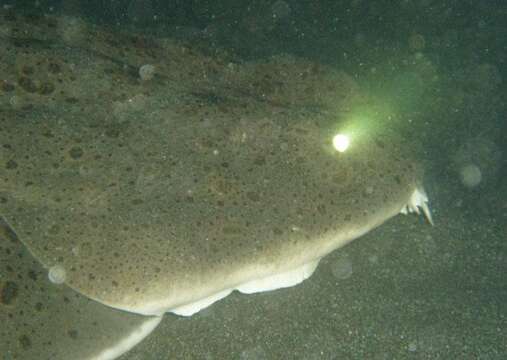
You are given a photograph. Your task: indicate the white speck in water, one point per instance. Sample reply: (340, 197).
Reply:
(471, 175)
(75, 250)
(373, 259)
(342, 268)
(147, 72)
(412, 346)
(57, 274)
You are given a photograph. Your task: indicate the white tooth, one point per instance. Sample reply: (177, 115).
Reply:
(418, 201)
(427, 212)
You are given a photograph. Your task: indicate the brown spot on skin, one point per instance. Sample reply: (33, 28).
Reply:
(7, 86)
(277, 231)
(112, 133)
(46, 88)
(27, 70)
(253, 196)
(76, 153)
(73, 334)
(27, 84)
(71, 100)
(260, 161)
(54, 68)
(8, 292)
(32, 275)
(54, 230)
(11, 164)
(25, 342)
(231, 230)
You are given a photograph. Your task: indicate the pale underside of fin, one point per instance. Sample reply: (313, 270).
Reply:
(273, 282)
(194, 307)
(129, 341)
(279, 281)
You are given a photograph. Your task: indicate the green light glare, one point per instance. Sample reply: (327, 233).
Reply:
(364, 122)
(341, 142)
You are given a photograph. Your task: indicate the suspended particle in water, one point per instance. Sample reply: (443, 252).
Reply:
(147, 72)
(471, 175)
(341, 268)
(57, 274)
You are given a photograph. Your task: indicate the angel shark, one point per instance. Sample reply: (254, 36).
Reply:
(140, 197)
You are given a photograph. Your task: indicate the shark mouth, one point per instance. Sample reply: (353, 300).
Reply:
(418, 201)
